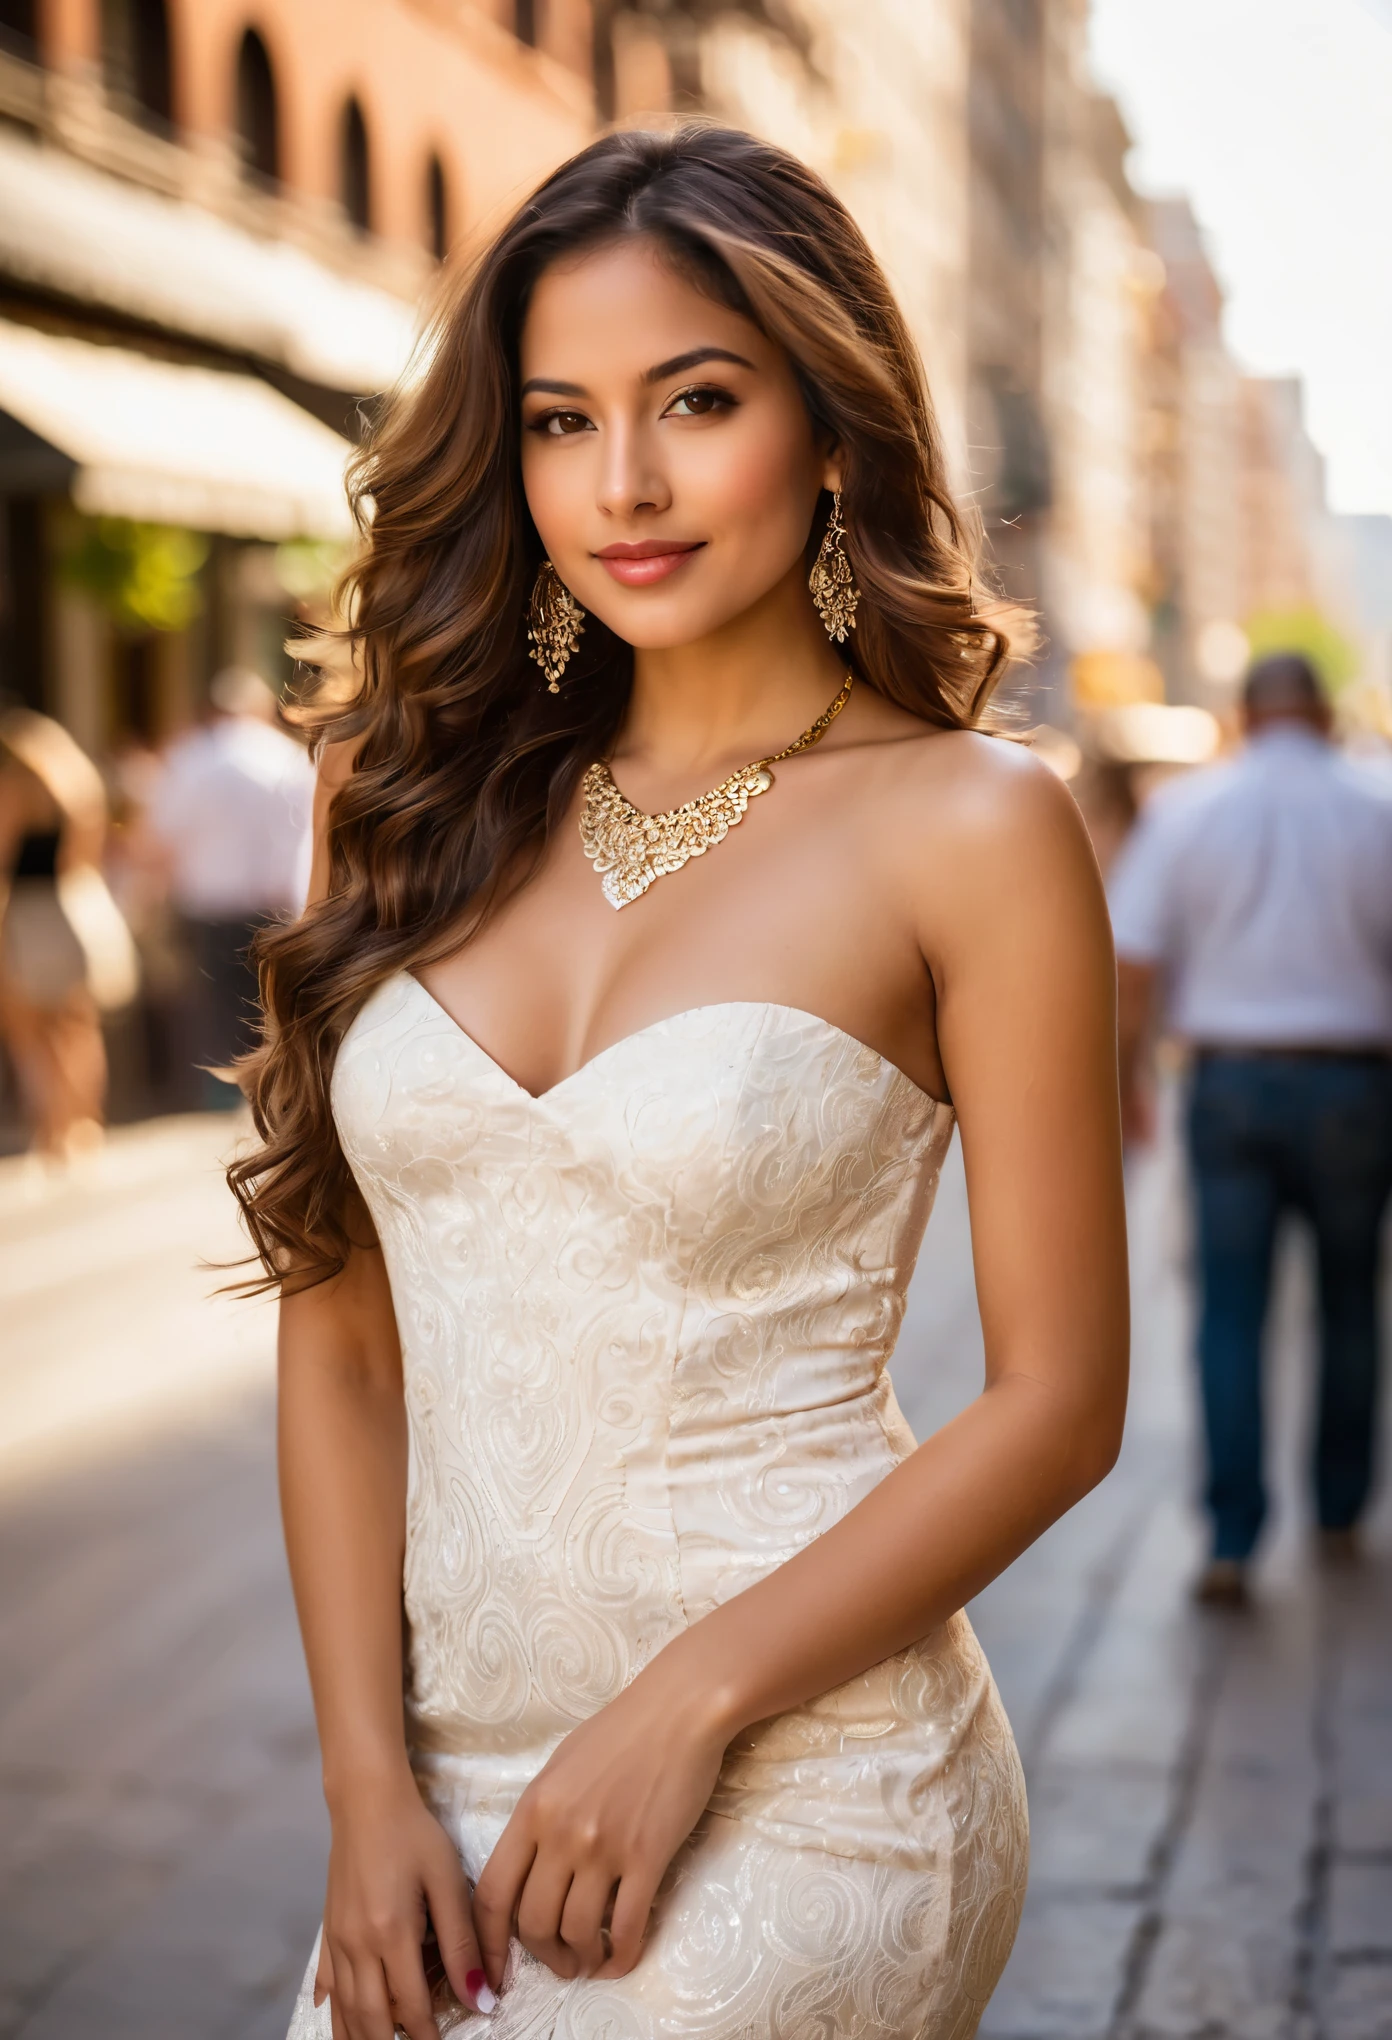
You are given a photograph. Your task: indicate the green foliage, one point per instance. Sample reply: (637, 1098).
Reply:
(144, 575)
(1305, 630)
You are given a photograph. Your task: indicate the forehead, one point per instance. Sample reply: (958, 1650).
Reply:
(619, 308)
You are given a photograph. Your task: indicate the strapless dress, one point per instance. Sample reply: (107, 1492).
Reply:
(645, 1322)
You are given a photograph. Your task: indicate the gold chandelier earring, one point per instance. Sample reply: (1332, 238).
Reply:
(555, 621)
(831, 582)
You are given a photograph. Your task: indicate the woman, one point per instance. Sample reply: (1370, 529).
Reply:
(600, 1130)
(66, 955)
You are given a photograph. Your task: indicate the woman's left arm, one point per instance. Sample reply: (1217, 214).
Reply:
(1014, 928)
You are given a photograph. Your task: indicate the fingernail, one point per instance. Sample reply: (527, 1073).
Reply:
(476, 1983)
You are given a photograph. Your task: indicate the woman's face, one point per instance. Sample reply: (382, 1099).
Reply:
(670, 464)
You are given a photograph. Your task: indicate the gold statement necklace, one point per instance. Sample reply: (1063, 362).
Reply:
(631, 850)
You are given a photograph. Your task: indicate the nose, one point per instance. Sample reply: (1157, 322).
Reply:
(631, 477)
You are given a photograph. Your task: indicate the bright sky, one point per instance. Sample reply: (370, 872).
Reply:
(1275, 116)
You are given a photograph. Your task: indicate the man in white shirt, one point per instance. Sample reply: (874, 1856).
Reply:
(232, 811)
(1255, 899)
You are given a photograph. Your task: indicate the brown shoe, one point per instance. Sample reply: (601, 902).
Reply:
(1222, 1584)
(1340, 1549)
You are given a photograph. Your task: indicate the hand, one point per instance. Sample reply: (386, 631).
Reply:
(393, 1875)
(591, 1836)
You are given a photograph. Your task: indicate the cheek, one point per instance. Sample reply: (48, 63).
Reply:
(560, 495)
(755, 486)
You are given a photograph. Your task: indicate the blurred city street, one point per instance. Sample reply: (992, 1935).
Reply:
(1211, 1795)
(1130, 241)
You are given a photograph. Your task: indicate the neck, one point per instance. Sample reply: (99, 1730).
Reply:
(739, 693)
(1291, 725)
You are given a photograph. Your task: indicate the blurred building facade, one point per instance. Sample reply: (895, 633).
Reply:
(1299, 555)
(1010, 464)
(1197, 523)
(1283, 484)
(1150, 499)
(259, 193)
(875, 97)
(217, 221)
(1097, 583)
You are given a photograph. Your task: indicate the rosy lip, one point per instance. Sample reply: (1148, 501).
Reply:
(638, 566)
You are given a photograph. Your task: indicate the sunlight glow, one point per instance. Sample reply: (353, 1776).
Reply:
(1273, 116)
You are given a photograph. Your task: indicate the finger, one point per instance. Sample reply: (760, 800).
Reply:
(496, 1896)
(632, 1907)
(340, 1991)
(539, 1909)
(407, 1991)
(450, 1915)
(368, 2013)
(323, 1975)
(341, 1999)
(583, 1915)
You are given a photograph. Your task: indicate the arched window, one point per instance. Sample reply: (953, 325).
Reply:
(19, 29)
(524, 22)
(437, 209)
(135, 58)
(355, 168)
(258, 122)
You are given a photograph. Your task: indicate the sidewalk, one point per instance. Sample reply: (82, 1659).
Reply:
(163, 1838)
(1210, 1795)
(1211, 1798)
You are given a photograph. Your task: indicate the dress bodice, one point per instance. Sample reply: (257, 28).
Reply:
(645, 1320)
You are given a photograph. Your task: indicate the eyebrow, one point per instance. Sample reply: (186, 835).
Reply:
(678, 365)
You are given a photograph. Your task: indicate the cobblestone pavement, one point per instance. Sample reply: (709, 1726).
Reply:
(1211, 1797)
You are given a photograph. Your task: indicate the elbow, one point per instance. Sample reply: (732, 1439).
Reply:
(1097, 1462)
(1074, 1435)
(1094, 1448)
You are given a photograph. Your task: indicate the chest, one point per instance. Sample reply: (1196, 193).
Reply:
(719, 1147)
(788, 907)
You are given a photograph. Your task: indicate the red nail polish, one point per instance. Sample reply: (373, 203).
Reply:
(476, 1983)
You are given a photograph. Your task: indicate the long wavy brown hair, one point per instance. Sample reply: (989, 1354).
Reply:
(463, 763)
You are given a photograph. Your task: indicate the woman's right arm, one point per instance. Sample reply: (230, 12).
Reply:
(342, 1450)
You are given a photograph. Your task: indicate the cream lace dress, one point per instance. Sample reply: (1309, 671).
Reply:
(645, 1321)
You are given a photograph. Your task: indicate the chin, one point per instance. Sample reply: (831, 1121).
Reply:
(654, 638)
(663, 627)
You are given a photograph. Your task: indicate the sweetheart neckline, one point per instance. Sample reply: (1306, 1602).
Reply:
(653, 1027)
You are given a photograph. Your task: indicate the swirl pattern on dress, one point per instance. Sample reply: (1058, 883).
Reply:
(645, 1323)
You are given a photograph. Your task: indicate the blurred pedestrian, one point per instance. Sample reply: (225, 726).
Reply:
(66, 954)
(1257, 895)
(232, 812)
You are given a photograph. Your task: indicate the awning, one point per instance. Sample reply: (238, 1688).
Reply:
(132, 436)
(68, 228)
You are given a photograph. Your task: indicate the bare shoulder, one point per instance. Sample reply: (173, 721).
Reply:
(335, 761)
(985, 848)
(959, 789)
(333, 769)
(334, 765)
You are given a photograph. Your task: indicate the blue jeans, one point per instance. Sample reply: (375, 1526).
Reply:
(1271, 1133)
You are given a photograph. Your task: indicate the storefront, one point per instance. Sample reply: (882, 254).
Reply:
(177, 399)
(157, 494)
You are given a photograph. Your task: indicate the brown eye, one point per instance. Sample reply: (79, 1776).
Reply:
(699, 403)
(561, 424)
